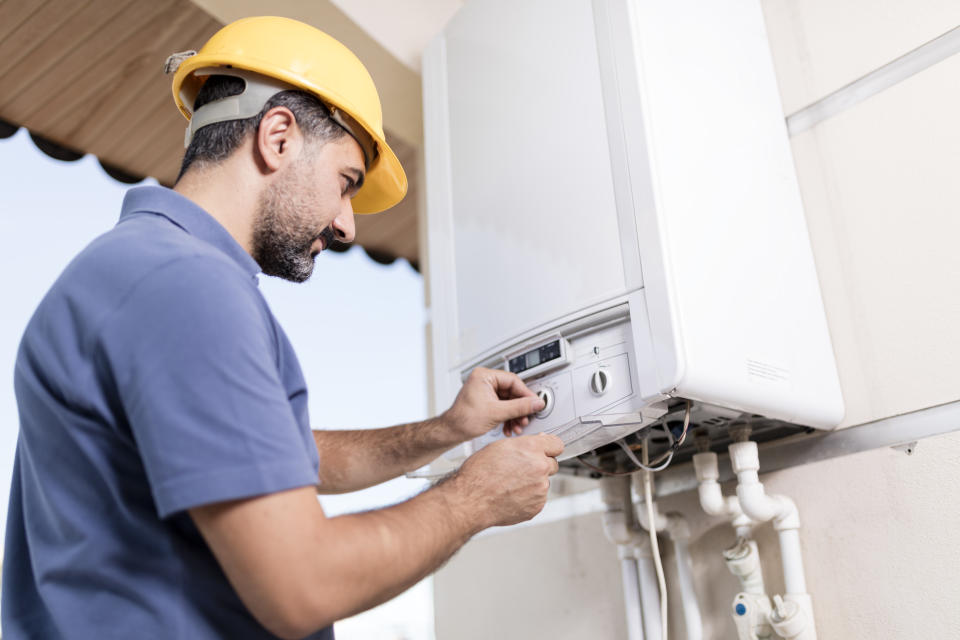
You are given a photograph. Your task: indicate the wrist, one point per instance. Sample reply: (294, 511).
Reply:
(462, 503)
(443, 432)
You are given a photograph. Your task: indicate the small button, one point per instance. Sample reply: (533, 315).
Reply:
(546, 395)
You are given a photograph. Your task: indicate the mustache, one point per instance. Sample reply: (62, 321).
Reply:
(328, 237)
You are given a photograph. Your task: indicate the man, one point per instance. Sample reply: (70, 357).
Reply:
(165, 476)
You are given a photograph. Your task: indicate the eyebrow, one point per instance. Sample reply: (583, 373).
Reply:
(358, 178)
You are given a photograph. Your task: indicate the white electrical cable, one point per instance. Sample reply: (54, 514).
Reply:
(633, 456)
(654, 547)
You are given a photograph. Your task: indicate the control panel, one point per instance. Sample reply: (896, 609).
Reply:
(587, 385)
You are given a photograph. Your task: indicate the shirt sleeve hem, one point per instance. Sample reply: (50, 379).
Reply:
(221, 485)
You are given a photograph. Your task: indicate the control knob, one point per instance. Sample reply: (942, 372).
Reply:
(599, 382)
(545, 394)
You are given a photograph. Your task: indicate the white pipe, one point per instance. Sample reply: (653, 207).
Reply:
(688, 596)
(795, 616)
(649, 597)
(792, 559)
(620, 529)
(743, 526)
(676, 527)
(631, 598)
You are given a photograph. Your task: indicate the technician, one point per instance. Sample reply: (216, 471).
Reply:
(166, 474)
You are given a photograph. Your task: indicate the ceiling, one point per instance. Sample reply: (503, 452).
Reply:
(85, 76)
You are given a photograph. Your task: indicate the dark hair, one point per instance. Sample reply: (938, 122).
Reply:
(215, 142)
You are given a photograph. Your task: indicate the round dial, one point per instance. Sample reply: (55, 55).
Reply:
(599, 382)
(546, 395)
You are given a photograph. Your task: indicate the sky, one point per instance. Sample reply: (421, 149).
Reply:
(357, 327)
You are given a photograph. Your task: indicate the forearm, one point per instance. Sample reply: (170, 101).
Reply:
(297, 570)
(372, 557)
(356, 459)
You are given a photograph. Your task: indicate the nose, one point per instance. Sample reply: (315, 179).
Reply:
(343, 224)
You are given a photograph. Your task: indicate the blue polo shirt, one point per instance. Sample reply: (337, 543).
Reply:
(152, 378)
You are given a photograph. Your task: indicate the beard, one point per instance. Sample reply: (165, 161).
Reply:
(283, 235)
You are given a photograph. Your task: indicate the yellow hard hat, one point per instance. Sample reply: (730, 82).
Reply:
(305, 58)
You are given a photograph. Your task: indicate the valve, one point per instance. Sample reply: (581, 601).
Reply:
(750, 614)
(790, 621)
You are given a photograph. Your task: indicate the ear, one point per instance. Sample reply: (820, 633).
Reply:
(278, 138)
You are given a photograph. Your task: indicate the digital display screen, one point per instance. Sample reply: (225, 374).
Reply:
(538, 356)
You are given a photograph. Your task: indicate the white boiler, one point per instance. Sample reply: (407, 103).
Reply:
(613, 213)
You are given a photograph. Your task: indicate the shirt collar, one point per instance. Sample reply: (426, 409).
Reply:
(190, 217)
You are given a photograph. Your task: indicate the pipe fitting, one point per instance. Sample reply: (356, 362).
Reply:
(743, 561)
(743, 525)
(790, 620)
(759, 506)
(744, 456)
(616, 528)
(706, 467)
(754, 501)
(711, 496)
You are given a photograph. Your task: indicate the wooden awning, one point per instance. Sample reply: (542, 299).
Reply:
(86, 76)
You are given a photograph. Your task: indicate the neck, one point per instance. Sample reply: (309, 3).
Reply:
(227, 194)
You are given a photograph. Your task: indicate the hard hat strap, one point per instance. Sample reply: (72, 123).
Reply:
(258, 89)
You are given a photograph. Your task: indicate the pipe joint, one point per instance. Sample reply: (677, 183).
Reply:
(706, 467)
(744, 457)
(759, 506)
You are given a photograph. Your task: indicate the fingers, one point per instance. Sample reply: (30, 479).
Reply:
(507, 410)
(549, 444)
(508, 385)
(554, 466)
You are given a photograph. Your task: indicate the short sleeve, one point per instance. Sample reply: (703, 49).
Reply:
(193, 356)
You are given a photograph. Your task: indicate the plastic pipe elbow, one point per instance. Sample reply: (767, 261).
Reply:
(712, 500)
(757, 505)
(616, 528)
(754, 501)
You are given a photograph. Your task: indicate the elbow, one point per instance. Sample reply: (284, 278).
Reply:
(293, 619)
(711, 499)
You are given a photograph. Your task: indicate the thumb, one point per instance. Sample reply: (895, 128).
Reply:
(552, 445)
(517, 408)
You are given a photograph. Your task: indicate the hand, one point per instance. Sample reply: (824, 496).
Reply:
(489, 397)
(509, 479)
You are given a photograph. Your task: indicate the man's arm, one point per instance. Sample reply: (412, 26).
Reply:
(351, 460)
(297, 570)
(356, 459)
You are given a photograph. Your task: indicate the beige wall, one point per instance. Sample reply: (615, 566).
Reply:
(881, 193)
(879, 542)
